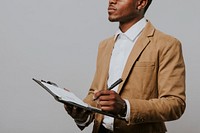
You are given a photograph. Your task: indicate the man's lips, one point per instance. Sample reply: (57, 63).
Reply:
(111, 9)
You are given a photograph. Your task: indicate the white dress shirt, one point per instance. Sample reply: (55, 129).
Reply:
(124, 43)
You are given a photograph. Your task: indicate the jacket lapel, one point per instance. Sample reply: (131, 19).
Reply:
(106, 59)
(139, 46)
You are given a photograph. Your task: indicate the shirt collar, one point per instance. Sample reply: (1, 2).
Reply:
(134, 30)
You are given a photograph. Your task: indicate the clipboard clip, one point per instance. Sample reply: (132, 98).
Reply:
(49, 82)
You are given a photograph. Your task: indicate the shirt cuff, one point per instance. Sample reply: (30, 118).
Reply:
(127, 117)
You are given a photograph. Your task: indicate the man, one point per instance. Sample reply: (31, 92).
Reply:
(151, 65)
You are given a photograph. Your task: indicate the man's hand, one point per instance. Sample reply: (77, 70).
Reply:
(80, 115)
(110, 101)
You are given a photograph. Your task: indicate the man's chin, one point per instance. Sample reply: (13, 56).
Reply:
(113, 20)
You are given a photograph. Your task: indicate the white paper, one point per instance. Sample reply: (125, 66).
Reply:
(64, 94)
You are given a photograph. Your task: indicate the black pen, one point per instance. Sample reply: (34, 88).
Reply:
(115, 84)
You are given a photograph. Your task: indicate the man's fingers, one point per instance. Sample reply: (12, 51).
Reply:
(101, 93)
(68, 108)
(74, 111)
(96, 95)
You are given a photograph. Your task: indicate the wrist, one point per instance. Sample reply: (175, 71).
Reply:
(81, 122)
(123, 110)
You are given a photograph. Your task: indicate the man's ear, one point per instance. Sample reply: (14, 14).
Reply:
(142, 4)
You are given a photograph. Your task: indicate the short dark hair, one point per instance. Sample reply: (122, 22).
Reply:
(147, 6)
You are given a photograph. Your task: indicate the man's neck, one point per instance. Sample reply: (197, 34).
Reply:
(124, 26)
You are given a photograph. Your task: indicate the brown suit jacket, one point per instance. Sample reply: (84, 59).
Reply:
(153, 82)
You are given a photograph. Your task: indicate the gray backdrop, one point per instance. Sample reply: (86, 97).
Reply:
(57, 40)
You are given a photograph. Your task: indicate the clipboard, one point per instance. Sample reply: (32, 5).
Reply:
(67, 97)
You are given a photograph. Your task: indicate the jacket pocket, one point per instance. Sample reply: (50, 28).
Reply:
(143, 79)
(144, 64)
